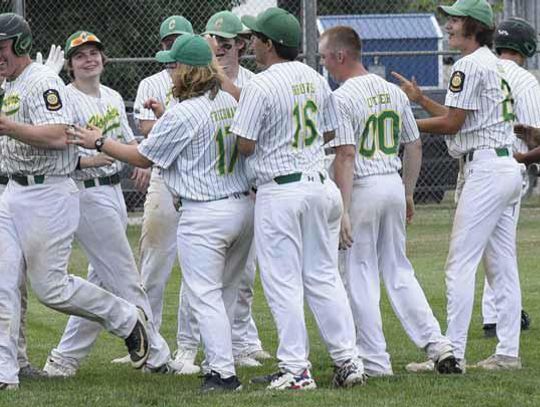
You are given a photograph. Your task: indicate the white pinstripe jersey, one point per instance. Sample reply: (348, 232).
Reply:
(243, 77)
(107, 112)
(193, 145)
(37, 97)
(375, 116)
(526, 93)
(482, 90)
(285, 109)
(158, 86)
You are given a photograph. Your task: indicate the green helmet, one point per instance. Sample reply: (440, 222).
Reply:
(13, 26)
(175, 25)
(515, 34)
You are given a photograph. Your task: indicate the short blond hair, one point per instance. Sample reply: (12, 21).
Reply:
(193, 81)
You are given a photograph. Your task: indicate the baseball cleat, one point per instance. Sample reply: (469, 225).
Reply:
(8, 386)
(420, 367)
(124, 360)
(32, 372)
(163, 369)
(54, 368)
(490, 330)
(525, 320)
(350, 374)
(500, 362)
(260, 355)
(184, 362)
(137, 341)
(265, 379)
(246, 361)
(284, 380)
(213, 382)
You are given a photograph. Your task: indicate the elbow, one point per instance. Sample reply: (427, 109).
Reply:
(245, 151)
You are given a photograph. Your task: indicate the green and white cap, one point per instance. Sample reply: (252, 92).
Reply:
(277, 24)
(175, 25)
(480, 10)
(224, 24)
(187, 49)
(80, 38)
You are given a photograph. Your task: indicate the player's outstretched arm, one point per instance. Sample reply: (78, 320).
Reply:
(92, 136)
(415, 94)
(245, 146)
(448, 124)
(530, 157)
(50, 136)
(94, 161)
(412, 162)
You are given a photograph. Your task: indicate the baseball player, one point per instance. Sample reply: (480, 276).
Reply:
(225, 28)
(103, 214)
(39, 209)
(192, 145)
(55, 61)
(477, 119)
(158, 248)
(285, 114)
(375, 117)
(514, 42)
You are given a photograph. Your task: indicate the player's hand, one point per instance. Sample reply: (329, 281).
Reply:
(83, 137)
(7, 126)
(55, 60)
(410, 87)
(142, 178)
(102, 160)
(409, 200)
(529, 134)
(212, 42)
(156, 107)
(345, 235)
(519, 157)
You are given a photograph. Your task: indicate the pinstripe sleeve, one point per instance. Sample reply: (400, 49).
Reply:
(47, 102)
(409, 128)
(127, 132)
(169, 136)
(330, 114)
(144, 93)
(251, 113)
(464, 87)
(345, 130)
(528, 105)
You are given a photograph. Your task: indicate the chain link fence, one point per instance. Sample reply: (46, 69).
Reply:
(405, 36)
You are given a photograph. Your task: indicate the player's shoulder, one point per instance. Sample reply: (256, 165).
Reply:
(158, 78)
(38, 73)
(110, 93)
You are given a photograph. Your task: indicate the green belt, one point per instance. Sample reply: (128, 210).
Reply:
(25, 180)
(4, 180)
(294, 177)
(501, 152)
(94, 182)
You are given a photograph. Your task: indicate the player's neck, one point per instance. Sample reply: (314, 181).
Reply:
(88, 86)
(354, 70)
(513, 56)
(25, 61)
(469, 46)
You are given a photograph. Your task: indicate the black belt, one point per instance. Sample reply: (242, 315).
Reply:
(294, 177)
(94, 182)
(329, 150)
(26, 180)
(501, 152)
(4, 180)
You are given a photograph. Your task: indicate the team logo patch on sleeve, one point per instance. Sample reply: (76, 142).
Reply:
(456, 81)
(52, 100)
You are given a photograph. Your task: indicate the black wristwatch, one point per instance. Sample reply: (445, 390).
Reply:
(99, 143)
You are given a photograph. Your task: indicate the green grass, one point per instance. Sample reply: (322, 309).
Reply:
(99, 383)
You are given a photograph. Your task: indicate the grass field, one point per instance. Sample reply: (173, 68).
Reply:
(99, 383)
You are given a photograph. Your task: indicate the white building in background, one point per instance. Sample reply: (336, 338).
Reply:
(253, 7)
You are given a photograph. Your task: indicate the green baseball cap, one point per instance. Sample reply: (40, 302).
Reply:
(175, 25)
(188, 49)
(480, 10)
(224, 24)
(79, 38)
(277, 24)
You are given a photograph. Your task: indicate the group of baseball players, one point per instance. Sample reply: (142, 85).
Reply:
(270, 169)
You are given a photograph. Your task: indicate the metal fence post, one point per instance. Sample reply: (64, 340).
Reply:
(309, 17)
(18, 6)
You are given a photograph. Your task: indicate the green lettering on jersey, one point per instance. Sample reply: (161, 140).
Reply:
(380, 99)
(303, 88)
(305, 124)
(11, 105)
(507, 103)
(224, 151)
(222, 114)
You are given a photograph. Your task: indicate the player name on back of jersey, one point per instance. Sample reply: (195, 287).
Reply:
(303, 88)
(222, 114)
(380, 99)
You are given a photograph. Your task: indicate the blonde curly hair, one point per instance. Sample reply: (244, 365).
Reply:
(193, 81)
